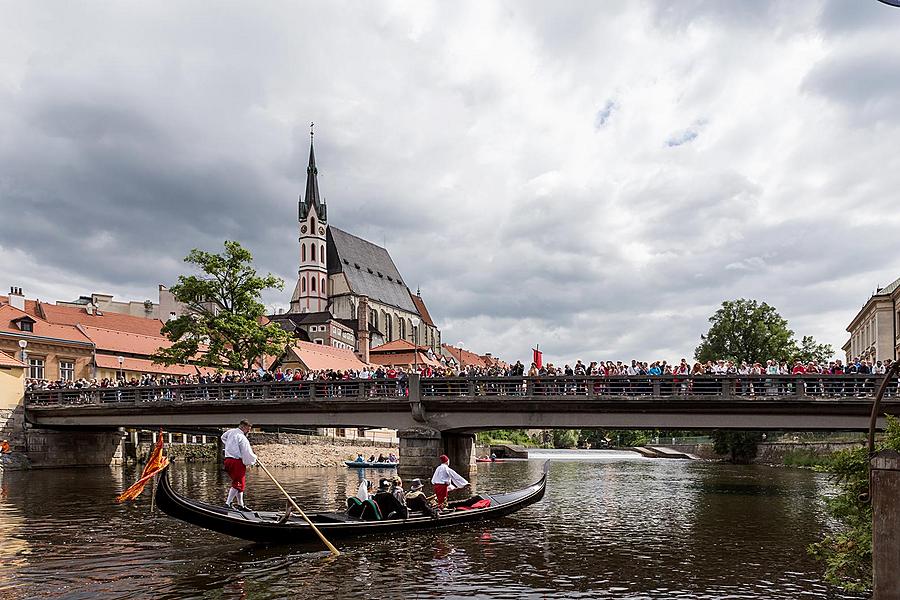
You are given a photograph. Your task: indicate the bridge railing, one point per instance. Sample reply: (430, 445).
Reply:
(353, 389)
(535, 388)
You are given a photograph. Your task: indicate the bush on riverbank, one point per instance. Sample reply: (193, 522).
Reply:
(808, 459)
(847, 554)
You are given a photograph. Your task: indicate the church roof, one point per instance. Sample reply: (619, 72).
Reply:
(369, 269)
(422, 310)
(311, 200)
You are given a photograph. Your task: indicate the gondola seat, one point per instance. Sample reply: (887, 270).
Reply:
(354, 506)
(370, 511)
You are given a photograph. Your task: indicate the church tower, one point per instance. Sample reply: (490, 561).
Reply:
(311, 293)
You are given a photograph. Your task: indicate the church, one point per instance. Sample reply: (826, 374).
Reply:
(349, 292)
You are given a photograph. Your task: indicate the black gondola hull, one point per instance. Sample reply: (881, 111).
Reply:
(270, 527)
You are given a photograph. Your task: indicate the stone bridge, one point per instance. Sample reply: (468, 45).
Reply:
(435, 415)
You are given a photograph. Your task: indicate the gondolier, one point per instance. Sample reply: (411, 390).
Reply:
(443, 478)
(238, 456)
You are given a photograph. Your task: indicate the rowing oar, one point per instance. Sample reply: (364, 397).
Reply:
(330, 546)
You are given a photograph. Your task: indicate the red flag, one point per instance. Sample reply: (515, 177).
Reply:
(538, 356)
(156, 463)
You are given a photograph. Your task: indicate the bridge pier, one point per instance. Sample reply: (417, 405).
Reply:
(48, 448)
(421, 448)
(886, 525)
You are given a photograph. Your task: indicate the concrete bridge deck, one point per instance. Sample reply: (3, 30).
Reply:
(809, 402)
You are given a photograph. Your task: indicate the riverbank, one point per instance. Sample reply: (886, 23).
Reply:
(790, 454)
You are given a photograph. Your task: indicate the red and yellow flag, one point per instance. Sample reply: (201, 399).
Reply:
(156, 463)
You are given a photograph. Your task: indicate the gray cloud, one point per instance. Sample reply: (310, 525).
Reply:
(539, 170)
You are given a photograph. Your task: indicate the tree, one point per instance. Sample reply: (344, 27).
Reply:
(847, 553)
(740, 446)
(564, 438)
(810, 351)
(746, 331)
(223, 326)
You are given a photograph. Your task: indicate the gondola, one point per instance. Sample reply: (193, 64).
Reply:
(278, 528)
(355, 464)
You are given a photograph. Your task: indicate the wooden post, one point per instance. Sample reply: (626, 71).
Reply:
(885, 496)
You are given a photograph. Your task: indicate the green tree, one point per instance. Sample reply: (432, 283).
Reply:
(746, 331)
(223, 327)
(847, 553)
(564, 438)
(740, 446)
(810, 351)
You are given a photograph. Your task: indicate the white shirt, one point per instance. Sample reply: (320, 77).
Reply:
(238, 446)
(444, 474)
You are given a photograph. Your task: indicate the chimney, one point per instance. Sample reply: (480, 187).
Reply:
(16, 298)
(362, 321)
(89, 309)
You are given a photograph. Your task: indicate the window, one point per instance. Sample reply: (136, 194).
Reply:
(322, 253)
(319, 341)
(323, 288)
(388, 327)
(36, 368)
(67, 370)
(312, 282)
(26, 325)
(402, 325)
(303, 252)
(303, 285)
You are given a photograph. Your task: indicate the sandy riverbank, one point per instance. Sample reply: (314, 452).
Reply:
(314, 455)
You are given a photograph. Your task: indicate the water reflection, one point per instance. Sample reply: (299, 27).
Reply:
(617, 526)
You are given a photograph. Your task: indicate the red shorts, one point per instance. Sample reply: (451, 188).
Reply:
(441, 490)
(237, 471)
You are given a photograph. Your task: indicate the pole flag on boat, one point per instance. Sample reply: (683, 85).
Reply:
(156, 463)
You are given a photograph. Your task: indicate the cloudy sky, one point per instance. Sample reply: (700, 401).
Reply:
(593, 177)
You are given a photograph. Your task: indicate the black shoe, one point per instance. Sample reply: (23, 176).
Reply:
(242, 508)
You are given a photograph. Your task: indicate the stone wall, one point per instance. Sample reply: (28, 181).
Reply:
(771, 453)
(47, 448)
(291, 439)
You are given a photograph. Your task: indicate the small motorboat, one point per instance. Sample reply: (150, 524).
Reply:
(287, 528)
(485, 459)
(356, 464)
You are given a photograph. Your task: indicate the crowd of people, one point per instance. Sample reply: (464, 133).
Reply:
(396, 378)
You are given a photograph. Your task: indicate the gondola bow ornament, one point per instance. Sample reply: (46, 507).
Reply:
(156, 463)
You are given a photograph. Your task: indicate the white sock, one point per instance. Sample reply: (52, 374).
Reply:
(240, 497)
(232, 494)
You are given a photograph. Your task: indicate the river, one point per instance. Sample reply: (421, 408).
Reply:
(612, 525)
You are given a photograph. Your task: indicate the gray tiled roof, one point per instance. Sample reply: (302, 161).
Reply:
(368, 268)
(890, 289)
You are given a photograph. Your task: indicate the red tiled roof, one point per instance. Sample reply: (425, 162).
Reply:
(420, 306)
(72, 315)
(145, 365)
(123, 341)
(30, 305)
(8, 361)
(468, 358)
(319, 357)
(42, 328)
(395, 346)
(403, 359)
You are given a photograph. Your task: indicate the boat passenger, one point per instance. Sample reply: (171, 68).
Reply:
(445, 479)
(397, 489)
(387, 503)
(493, 457)
(392, 458)
(359, 458)
(416, 499)
(381, 458)
(371, 458)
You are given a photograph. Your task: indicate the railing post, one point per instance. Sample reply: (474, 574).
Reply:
(657, 392)
(529, 388)
(470, 388)
(727, 388)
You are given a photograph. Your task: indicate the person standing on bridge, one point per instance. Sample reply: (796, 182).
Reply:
(445, 477)
(238, 456)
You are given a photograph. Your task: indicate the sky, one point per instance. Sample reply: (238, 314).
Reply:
(592, 177)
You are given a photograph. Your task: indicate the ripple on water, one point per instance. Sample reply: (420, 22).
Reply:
(611, 527)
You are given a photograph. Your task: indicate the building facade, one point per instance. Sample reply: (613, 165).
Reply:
(875, 330)
(340, 275)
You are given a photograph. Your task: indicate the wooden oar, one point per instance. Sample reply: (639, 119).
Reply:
(330, 546)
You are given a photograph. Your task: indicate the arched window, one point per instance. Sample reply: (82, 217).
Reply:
(373, 319)
(312, 283)
(402, 326)
(303, 252)
(323, 288)
(388, 326)
(303, 285)
(322, 252)
(312, 252)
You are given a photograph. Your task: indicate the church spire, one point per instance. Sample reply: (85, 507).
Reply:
(311, 200)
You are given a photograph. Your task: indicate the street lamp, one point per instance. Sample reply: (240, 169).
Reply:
(459, 346)
(121, 360)
(415, 324)
(23, 344)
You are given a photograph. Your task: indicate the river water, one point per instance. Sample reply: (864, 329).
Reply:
(611, 525)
